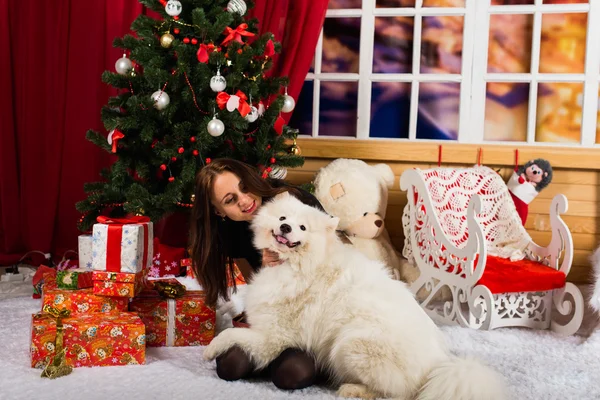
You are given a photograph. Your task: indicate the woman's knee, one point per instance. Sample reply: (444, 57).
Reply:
(234, 364)
(293, 369)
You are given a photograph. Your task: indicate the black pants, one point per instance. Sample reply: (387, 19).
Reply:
(292, 369)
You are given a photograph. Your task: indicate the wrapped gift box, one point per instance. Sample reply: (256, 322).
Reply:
(122, 244)
(81, 301)
(118, 284)
(90, 340)
(85, 251)
(182, 321)
(79, 278)
(166, 260)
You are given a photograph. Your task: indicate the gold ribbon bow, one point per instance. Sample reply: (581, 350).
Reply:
(169, 289)
(58, 366)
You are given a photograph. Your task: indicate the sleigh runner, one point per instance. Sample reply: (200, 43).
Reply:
(463, 233)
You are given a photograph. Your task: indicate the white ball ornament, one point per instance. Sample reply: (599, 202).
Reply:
(278, 172)
(288, 104)
(123, 65)
(173, 8)
(237, 6)
(161, 99)
(252, 115)
(216, 127)
(218, 83)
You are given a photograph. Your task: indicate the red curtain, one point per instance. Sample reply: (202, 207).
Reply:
(52, 54)
(297, 25)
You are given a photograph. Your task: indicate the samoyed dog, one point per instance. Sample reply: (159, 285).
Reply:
(363, 327)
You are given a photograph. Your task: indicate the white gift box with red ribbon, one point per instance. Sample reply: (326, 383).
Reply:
(122, 244)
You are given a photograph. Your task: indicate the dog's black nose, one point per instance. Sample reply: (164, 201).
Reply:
(378, 223)
(285, 228)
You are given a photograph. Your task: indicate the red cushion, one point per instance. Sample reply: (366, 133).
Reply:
(504, 276)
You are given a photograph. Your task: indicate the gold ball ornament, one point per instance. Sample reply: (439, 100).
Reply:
(166, 40)
(295, 149)
(140, 213)
(193, 198)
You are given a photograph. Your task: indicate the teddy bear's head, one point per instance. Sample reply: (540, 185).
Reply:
(356, 193)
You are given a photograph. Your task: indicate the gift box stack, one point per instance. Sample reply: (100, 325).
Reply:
(108, 310)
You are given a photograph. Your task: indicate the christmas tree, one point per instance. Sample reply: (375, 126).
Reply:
(192, 86)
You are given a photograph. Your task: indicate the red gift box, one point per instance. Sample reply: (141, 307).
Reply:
(183, 321)
(166, 261)
(118, 284)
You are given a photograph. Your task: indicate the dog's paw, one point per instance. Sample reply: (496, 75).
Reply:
(219, 345)
(353, 390)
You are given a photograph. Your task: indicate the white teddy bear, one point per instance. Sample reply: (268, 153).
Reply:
(357, 194)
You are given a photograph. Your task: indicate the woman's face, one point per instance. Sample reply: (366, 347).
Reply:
(231, 200)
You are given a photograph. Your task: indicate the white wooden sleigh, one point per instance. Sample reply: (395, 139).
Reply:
(460, 227)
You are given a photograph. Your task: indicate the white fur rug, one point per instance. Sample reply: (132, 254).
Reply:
(536, 365)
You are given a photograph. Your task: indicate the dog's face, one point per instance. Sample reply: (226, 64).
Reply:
(286, 225)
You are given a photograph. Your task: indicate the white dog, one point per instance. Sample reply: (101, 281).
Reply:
(595, 296)
(365, 328)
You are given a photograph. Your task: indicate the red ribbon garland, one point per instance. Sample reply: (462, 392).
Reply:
(243, 107)
(114, 237)
(236, 34)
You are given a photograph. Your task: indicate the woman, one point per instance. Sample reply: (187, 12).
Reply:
(228, 195)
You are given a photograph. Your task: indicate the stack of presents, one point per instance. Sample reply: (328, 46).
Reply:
(122, 297)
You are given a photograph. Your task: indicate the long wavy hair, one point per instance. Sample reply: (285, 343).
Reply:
(210, 241)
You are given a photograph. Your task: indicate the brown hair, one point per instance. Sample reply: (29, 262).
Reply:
(208, 236)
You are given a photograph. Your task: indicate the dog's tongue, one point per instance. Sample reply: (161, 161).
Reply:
(281, 239)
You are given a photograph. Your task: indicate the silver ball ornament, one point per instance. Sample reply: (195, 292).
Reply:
(252, 115)
(288, 103)
(278, 172)
(218, 83)
(173, 8)
(215, 127)
(237, 6)
(161, 99)
(123, 65)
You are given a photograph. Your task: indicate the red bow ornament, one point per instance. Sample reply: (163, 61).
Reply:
(204, 51)
(238, 100)
(236, 34)
(113, 137)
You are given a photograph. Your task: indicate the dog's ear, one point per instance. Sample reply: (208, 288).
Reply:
(332, 223)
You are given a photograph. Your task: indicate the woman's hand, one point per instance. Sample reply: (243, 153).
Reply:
(270, 258)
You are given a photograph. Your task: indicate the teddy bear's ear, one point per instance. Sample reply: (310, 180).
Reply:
(386, 173)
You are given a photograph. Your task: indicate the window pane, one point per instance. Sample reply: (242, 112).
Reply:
(439, 105)
(337, 4)
(443, 3)
(506, 111)
(395, 3)
(510, 43)
(559, 112)
(341, 43)
(303, 113)
(338, 109)
(511, 2)
(564, 1)
(393, 46)
(563, 43)
(390, 110)
(441, 45)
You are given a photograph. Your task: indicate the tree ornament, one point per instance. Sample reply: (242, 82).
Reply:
(163, 167)
(252, 115)
(295, 149)
(194, 41)
(173, 158)
(272, 160)
(173, 8)
(140, 213)
(123, 65)
(186, 40)
(237, 6)
(193, 198)
(195, 153)
(288, 103)
(166, 40)
(161, 99)
(193, 139)
(181, 150)
(278, 172)
(171, 179)
(216, 127)
(113, 137)
(218, 83)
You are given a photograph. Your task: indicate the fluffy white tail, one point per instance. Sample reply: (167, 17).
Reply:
(463, 379)
(595, 298)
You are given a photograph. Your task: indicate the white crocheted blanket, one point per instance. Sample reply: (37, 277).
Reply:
(450, 190)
